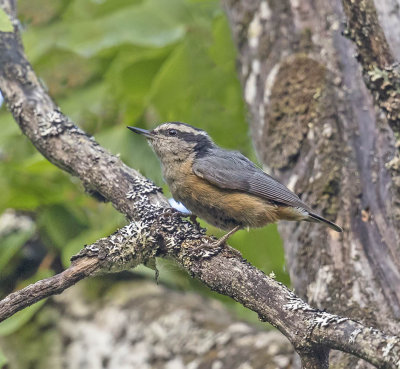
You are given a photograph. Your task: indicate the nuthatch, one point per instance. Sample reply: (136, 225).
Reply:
(222, 187)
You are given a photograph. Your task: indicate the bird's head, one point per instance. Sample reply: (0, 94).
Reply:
(176, 141)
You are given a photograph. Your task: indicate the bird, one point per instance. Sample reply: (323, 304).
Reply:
(221, 186)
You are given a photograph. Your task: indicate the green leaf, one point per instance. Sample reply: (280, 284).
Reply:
(32, 11)
(147, 24)
(59, 224)
(130, 79)
(5, 23)
(64, 70)
(99, 227)
(91, 107)
(11, 244)
(200, 86)
(8, 129)
(133, 149)
(32, 182)
(79, 9)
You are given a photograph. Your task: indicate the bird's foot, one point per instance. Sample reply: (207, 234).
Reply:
(207, 250)
(193, 219)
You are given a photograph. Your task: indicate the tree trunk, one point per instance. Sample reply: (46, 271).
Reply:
(316, 126)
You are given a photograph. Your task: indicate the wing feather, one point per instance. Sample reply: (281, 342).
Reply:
(232, 170)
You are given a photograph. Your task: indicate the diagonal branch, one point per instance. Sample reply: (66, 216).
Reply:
(164, 233)
(27, 296)
(157, 230)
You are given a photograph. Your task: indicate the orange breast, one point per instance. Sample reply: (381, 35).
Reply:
(214, 204)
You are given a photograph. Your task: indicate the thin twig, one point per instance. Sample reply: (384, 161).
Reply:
(54, 285)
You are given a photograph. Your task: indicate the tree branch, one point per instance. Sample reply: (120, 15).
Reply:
(27, 296)
(165, 233)
(160, 231)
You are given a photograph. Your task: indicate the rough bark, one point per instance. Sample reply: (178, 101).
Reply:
(316, 127)
(111, 323)
(27, 296)
(381, 73)
(160, 232)
(122, 319)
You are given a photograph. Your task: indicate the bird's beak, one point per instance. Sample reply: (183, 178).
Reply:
(140, 131)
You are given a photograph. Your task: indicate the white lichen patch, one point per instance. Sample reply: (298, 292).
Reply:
(354, 335)
(323, 319)
(310, 133)
(390, 344)
(53, 123)
(295, 304)
(254, 31)
(292, 182)
(327, 130)
(269, 83)
(394, 163)
(318, 290)
(140, 187)
(119, 251)
(16, 107)
(250, 90)
(265, 10)
(320, 318)
(55, 117)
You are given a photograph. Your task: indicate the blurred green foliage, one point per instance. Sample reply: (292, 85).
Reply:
(5, 24)
(109, 64)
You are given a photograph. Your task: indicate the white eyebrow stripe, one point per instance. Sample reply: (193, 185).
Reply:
(181, 128)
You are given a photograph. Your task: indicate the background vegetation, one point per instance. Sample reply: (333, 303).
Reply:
(109, 64)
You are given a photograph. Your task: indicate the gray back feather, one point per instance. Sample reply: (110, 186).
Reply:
(232, 170)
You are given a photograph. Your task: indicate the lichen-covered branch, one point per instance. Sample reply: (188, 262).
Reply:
(139, 325)
(163, 232)
(157, 230)
(382, 74)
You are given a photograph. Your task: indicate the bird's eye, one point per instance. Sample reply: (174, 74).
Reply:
(172, 132)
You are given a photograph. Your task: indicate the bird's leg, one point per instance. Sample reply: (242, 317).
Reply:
(207, 250)
(193, 219)
(225, 237)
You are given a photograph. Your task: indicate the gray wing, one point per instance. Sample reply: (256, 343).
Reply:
(232, 170)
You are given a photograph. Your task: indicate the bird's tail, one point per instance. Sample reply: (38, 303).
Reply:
(312, 217)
